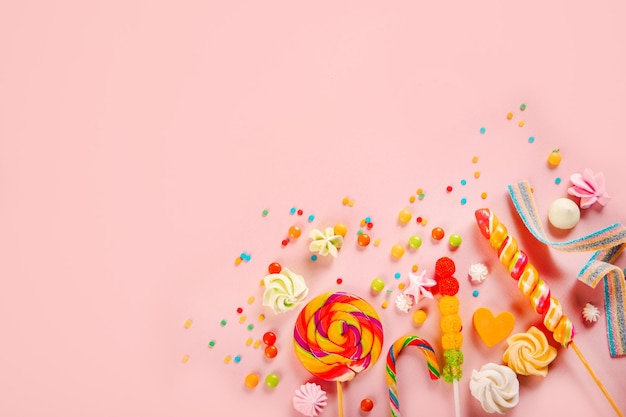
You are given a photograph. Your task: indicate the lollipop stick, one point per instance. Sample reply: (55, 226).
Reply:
(457, 402)
(595, 378)
(340, 398)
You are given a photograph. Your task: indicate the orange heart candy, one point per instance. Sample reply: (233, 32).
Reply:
(492, 330)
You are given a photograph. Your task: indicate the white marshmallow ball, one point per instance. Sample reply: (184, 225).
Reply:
(563, 213)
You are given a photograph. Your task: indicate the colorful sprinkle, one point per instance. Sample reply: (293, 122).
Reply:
(310, 218)
(212, 343)
(242, 318)
(531, 139)
(185, 358)
(463, 182)
(509, 116)
(250, 300)
(227, 359)
(188, 323)
(265, 212)
(482, 130)
(474, 159)
(223, 323)
(300, 212)
(261, 317)
(237, 359)
(475, 293)
(521, 123)
(522, 107)
(292, 210)
(339, 281)
(250, 326)
(464, 201)
(412, 199)
(256, 344)
(557, 180)
(449, 188)
(397, 275)
(249, 341)
(314, 258)
(477, 174)
(483, 195)
(385, 304)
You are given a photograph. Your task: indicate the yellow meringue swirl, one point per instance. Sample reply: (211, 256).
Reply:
(529, 353)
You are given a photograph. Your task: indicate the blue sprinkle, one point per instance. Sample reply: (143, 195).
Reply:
(314, 258)
(237, 359)
(475, 293)
(531, 139)
(368, 220)
(557, 181)
(482, 130)
(311, 217)
(464, 201)
(397, 275)
(292, 210)
(463, 182)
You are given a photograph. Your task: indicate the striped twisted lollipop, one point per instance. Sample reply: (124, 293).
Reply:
(394, 351)
(527, 277)
(337, 335)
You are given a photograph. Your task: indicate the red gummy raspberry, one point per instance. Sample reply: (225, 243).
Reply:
(448, 286)
(444, 267)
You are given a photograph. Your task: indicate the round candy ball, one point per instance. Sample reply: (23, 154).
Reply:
(271, 351)
(563, 213)
(252, 380)
(448, 305)
(272, 380)
(455, 240)
(415, 242)
(437, 233)
(404, 216)
(269, 338)
(419, 317)
(378, 285)
(367, 405)
(363, 239)
(341, 229)
(274, 268)
(295, 232)
(397, 251)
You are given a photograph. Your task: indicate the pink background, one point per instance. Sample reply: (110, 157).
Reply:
(141, 140)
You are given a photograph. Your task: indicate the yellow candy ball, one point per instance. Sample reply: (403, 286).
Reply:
(404, 216)
(451, 323)
(340, 229)
(452, 341)
(419, 317)
(397, 250)
(448, 304)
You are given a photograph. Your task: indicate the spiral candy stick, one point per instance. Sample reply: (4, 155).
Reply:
(394, 351)
(336, 336)
(534, 288)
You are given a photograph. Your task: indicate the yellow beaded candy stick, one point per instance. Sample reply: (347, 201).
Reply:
(534, 288)
(452, 339)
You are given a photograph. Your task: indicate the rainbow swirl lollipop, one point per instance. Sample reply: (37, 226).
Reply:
(337, 335)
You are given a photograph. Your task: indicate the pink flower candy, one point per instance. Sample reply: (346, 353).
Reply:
(589, 187)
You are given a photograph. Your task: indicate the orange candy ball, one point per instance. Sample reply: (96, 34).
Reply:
(363, 239)
(294, 232)
(271, 351)
(438, 233)
(367, 405)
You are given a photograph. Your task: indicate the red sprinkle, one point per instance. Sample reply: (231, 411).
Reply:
(339, 281)
(239, 310)
(300, 212)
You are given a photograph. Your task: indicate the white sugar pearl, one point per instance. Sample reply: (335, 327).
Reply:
(563, 213)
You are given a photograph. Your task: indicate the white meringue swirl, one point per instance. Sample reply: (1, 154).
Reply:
(478, 272)
(496, 388)
(284, 290)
